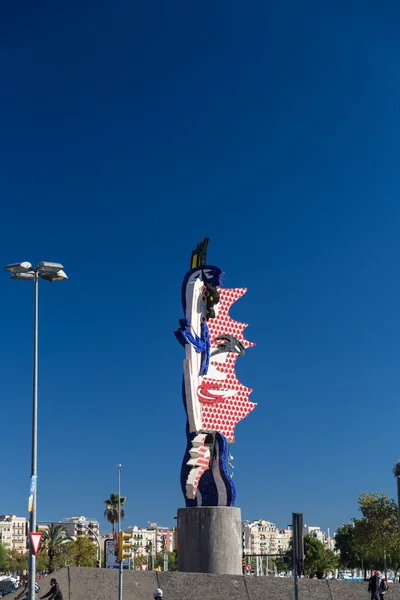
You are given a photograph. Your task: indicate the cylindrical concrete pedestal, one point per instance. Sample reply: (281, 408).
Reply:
(210, 540)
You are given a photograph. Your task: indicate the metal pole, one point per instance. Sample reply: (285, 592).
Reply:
(119, 529)
(295, 559)
(32, 518)
(384, 563)
(98, 542)
(398, 501)
(165, 561)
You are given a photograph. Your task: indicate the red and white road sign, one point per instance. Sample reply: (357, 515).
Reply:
(248, 568)
(35, 536)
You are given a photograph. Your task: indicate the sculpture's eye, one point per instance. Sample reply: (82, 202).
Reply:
(228, 343)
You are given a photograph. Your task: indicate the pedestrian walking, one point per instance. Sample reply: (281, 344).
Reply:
(377, 586)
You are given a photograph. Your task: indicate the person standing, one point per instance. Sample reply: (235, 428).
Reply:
(384, 588)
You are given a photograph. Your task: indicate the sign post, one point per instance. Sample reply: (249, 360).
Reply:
(35, 536)
(298, 550)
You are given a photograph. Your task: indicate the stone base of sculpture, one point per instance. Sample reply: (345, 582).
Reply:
(210, 540)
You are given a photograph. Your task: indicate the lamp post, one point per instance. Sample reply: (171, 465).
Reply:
(396, 473)
(50, 272)
(120, 566)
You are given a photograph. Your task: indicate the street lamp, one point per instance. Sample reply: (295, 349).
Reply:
(120, 565)
(50, 272)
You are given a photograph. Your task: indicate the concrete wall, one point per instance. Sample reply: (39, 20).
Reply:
(80, 583)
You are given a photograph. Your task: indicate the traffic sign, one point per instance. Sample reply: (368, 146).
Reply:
(111, 559)
(248, 568)
(35, 536)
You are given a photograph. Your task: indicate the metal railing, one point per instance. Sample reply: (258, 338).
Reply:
(261, 564)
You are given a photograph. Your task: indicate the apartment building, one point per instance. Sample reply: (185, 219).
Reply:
(154, 538)
(264, 537)
(321, 536)
(13, 533)
(283, 539)
(78, 527)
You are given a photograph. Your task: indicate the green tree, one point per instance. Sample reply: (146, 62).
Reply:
(53, 541)
(140, 559)
(282, 567)
(18, 561)
(111, 512)
(376, 534)
(4, 558)
(42, 561)
(172, 561)
(349, 556)
(318, 559)
(80, 553)
(370, 556)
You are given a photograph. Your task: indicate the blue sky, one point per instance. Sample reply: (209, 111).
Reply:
(129, 131)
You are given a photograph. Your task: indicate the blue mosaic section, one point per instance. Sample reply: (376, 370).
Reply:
(216, 487)
(212, 275)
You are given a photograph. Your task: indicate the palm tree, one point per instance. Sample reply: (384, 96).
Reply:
(111, 512)
(53, 539)
(149, 549)
(326, 562)
(396, 473)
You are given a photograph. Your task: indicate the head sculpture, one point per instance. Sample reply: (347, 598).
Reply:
(215, 400)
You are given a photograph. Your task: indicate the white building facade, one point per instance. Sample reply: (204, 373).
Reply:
(152, 539)
(13, 533)
(78, 527)
(264, 537)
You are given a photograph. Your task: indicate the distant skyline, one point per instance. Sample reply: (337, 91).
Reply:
(128, 135)
(107, 529)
